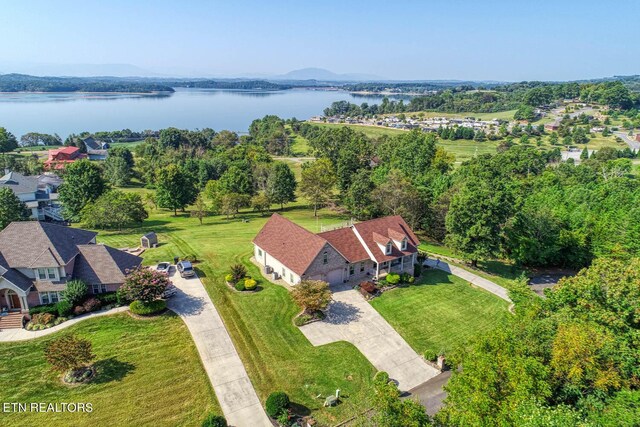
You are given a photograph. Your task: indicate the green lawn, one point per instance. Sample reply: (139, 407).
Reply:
(149, 374)
(441, 313)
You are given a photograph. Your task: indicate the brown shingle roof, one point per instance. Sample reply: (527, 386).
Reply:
(292, 245)
(383, 226)
(23, 243)
(101, 264)
(346, 242)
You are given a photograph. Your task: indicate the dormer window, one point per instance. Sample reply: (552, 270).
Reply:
(404, 244)
(325, 258)
(388, 248)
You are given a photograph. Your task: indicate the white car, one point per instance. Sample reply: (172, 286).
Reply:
(169, 292)
(164, 267)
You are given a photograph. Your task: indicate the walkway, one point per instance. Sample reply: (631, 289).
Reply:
(474, 279)
(8, 335)
(237, 397)
(351, 318)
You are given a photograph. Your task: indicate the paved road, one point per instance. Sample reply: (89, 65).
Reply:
(237, 397)
(481, 282)
(351, 318)
(8, 335)
(431, 394)
(630, 140)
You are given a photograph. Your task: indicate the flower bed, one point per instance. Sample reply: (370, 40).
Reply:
(307, 317)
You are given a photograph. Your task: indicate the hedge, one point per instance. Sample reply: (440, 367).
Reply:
(214, 420)
(277, 402)
(145, 309)
(107, 298)
(44, 308)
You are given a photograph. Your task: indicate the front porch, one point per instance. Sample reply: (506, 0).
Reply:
(399, 265)
(12, 301)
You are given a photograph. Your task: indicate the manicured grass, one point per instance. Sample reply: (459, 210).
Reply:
(440, 313)
(149, 374)
(275, 353)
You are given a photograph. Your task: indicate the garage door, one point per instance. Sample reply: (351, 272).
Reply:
(334, 277)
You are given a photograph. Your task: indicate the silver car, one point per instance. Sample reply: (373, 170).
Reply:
(185, 269)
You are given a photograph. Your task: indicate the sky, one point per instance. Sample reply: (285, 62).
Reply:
(405, 40)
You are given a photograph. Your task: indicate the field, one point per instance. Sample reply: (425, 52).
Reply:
(441, 313)
(276, 354)
(149, 373)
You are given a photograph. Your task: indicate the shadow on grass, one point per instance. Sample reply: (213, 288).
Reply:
(299, 409)
(112, 369)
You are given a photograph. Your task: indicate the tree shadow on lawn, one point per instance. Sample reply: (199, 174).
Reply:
(299, 409)
(111, 369)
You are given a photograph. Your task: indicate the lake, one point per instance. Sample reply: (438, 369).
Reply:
(65, 113)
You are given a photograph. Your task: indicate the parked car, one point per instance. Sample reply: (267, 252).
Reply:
(164, 267)
(186, 269)
(169, 292)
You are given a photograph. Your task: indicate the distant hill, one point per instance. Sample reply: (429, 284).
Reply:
(322, 74)
(25, 83)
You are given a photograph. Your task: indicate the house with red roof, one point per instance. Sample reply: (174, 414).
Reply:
(60, 157)
(366, 250)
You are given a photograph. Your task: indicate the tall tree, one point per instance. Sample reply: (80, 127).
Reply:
(281, 184)
(114, 209)
(117, 171)
(175, 189)
(11, 208)
(318, 180)
(8, 141)
(200, 210)
(83, 183)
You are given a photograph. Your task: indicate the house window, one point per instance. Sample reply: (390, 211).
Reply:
(388, 248)
(42, 274)
(54, 297)
(325, 258)
(284, 272)
(404, 244)
(351, 270)
(51, 272)
(49, 297)
(259, 252)
(361, 267)
(99, 289)
(291, 277)
(44, 297)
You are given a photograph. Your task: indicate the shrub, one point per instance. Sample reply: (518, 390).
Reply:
(107, 298)
(393, 279)
(214, 420)
(65, 308)
(240, 286)
(381, 377)
(69, 352)
(250, 284)
(44, 308)
(430, 355)
(412, 279)
(75, 292)
(303, 319)
(92, 304)
(312, 295)
(42, 318)
(417, 270)
(404, 277)
(78, 310)
(121, 297)
(276, 403)
(147, 308)
(143, 284)
(238, 271)
(190, 258)
(229, 278)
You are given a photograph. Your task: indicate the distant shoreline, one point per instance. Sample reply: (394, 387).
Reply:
(85, 92)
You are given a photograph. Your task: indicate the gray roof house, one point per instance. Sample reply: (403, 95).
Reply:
(37, 259)
(96, 150)
(38, 192)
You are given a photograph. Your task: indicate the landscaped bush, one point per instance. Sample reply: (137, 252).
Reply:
(276, 403)
(393, 279)
(122, 298)
(65, 308)
(191, 258)
(417, 270)
(412, 279)
(143, 284)
(312, 295)
(92, 304)
(229, 278)
(303, 319)
(42, 318)
(75, 292)
(381, 377)
(214, 420)
(404, 278)
(238, 271)
(240, 286)
(147, 308)
(250, 284)
(108, 298)
(44, 308)
(78, 310)
(69, 353)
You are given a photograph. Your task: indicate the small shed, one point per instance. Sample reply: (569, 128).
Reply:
(149, 240)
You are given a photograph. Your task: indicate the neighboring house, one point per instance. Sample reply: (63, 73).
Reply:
(369, 249)
(39, 193)
(551, 127)
(96, 150)
(638, 137)
(60, 157)
(37, 259)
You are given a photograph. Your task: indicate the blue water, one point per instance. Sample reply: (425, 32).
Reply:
(65, 113)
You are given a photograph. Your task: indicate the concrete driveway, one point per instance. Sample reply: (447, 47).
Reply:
(351, 318)
(237, 397)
